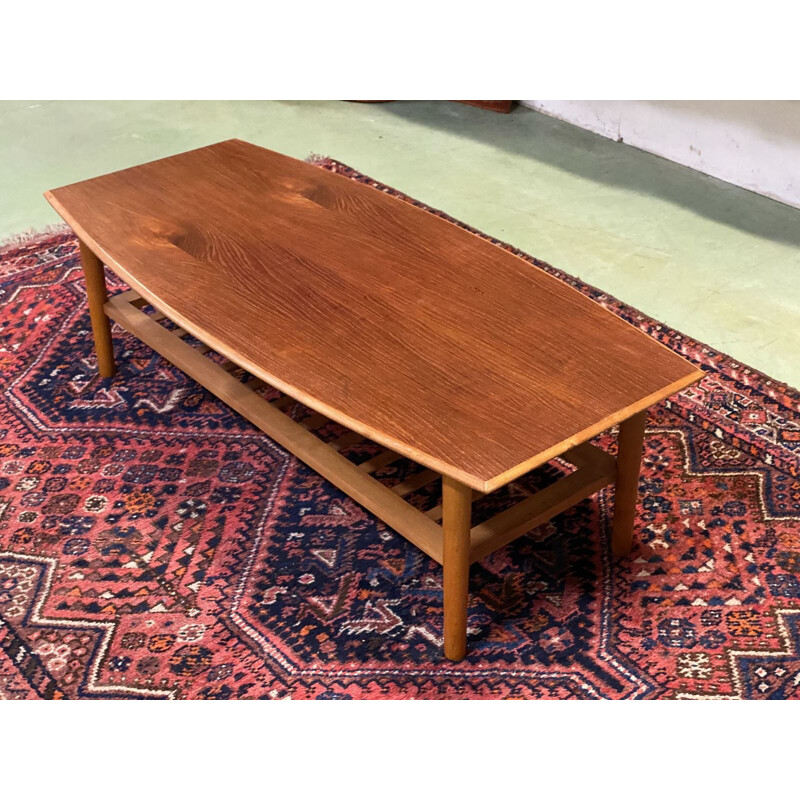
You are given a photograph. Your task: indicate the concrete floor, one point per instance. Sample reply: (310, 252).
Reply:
(717, 262)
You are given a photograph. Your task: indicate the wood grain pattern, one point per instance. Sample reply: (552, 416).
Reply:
(379, 315)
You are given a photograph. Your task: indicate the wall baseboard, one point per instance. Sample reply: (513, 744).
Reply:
(754, 144)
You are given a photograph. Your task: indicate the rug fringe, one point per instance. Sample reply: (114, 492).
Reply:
(317, 160)
(32, 236)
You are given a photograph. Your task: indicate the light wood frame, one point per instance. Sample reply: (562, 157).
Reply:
(455, 543)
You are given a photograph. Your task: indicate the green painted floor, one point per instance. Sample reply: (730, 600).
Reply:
(719, 263)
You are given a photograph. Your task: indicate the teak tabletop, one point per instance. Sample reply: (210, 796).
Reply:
(388, 319)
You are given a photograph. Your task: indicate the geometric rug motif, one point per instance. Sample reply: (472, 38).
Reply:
(154, 544)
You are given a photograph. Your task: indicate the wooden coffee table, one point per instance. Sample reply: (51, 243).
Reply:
(403, 327)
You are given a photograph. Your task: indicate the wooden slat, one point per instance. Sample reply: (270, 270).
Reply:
(282, 403)
(537, 509)
(415, 482)
(371, 494)
(132, 297)
(347, 440)
(381, 460)
(435, 513)
(314, 421)
(588, 455)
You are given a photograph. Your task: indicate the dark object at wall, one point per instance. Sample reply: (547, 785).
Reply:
(503, 106)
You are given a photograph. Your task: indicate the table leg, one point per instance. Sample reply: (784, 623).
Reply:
(456, 525)
(629, 461)
(101, 324)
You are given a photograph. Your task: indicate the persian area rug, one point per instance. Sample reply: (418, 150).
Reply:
(153, 544)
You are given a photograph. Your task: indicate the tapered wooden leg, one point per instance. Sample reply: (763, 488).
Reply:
(456, 507)
(101, 324)
(629, 461)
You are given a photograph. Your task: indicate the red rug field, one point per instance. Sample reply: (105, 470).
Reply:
(153, 544)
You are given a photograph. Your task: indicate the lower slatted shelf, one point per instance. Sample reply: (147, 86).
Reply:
(594, 467)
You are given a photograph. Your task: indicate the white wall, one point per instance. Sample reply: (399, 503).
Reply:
(754, 144)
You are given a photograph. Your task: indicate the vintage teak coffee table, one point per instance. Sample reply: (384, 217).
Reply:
(408, 330)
